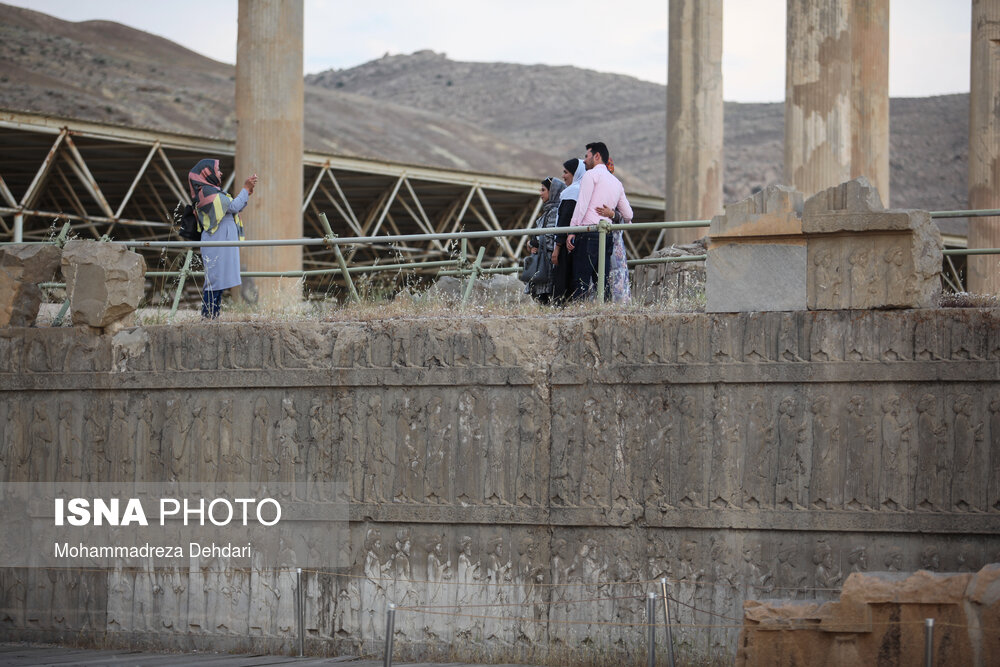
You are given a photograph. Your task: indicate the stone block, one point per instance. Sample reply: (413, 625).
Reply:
(755, 277)
(22, 267)
(774, 211)
(678, 284)
(862, 256)
(104, 282)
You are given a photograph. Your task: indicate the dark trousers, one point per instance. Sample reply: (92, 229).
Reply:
(585, 257)
(562, 277)
(211, 303)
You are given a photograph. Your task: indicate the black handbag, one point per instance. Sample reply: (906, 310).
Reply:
(529, 269)
(543, 268)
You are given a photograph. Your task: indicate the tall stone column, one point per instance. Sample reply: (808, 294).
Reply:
(269, 113)
(870, 97)
(818, 76)
(694, 115)
(984, 144)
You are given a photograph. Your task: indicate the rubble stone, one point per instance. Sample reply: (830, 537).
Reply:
(104, 282)
(22, 267)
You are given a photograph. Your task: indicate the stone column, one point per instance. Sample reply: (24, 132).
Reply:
(870, 97)
(818, 77)
(269, 113)
(984, 144)
(694, 115)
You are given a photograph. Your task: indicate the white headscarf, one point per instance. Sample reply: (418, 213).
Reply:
(573, 191)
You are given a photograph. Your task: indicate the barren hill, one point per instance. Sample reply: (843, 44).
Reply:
(424, 108)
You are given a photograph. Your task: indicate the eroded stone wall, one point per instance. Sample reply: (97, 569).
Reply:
(535, 471)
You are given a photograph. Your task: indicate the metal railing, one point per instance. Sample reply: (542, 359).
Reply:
(460, 266)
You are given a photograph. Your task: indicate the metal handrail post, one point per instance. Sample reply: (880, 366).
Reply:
(666, 616)
(651, 629)
(300, 611)
(602, 244)
(390, 628)
(180, 283)
(476, 266)
(331, 238)
(929, 642)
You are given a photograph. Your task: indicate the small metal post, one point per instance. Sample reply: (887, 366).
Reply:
(929, 642)
(602, 244)
(299, 611)
(651, 630)
(464, 255)
(390, 627)
(185, 270)
(330, 236)
(666, 616)
(476, 266)
(18, 227)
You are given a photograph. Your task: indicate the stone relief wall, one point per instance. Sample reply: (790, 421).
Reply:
(533, 472)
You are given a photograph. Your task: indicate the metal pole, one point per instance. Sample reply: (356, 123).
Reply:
(651, 630)
(300, 613)
(330, 236)
(180, 283)
(929, 642)
(390, 627)
(18, 227)
(602, 243)
(666, 616)
(464, 255)
(476, 266)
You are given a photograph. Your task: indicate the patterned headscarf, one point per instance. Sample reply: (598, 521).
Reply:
(210, 201)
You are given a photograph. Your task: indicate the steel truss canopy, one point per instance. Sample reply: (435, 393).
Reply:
(125, 182)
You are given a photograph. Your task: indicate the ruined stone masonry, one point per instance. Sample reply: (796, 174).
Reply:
(840, 249)
(522, 464)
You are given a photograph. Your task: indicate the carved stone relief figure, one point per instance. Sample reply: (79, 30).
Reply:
(857, 559)
(690, 576)
(288, 448)
(438, 571)
(725, 342)
(690, 481)
(440, 441)
(658, 433)
(896, 468)
(95, 443)
(791, 580)
(472, 440)
(864, 281)
(594, 480)
(564, 443)
(861, 344)
(409, 453)
(757, 342)
(149, 460)
(794, 456)
(926, 340)
(499, 447)
(374, 591)
(971, 459)
(498, 577)
(826, 481)
(727, 443)
(758, 578)
(930, 559)
(825, 341)
(231, 464)
(933, 479)
(68, 460)
(403, 589)
(263, 586)
(201, 450)
(860, 479)
(825, 576)
(378, 471)
(531, 577)
(284, 613)
(761, 450)
(469, 590)
(789, 328)
(526, 474)
(318, 459)
(827, 280)
(39, 446)
(260, 441)
(893, 560)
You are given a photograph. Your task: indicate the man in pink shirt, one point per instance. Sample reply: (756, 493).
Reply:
(598, 187)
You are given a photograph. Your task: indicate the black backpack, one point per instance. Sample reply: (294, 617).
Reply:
(186, 223)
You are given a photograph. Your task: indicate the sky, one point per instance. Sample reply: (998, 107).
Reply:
(928, 39)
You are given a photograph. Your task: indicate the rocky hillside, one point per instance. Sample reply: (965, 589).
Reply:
(424, 108)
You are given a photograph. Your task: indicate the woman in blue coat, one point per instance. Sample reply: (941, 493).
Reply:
(219, 220)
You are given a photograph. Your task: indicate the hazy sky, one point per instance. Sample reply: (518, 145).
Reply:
(928, 42)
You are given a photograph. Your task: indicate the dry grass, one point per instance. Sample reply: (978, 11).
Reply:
(967, 300)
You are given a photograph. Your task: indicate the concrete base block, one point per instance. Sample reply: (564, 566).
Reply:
(755, 277)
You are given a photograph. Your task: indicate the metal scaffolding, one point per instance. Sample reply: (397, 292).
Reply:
(123, 183)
